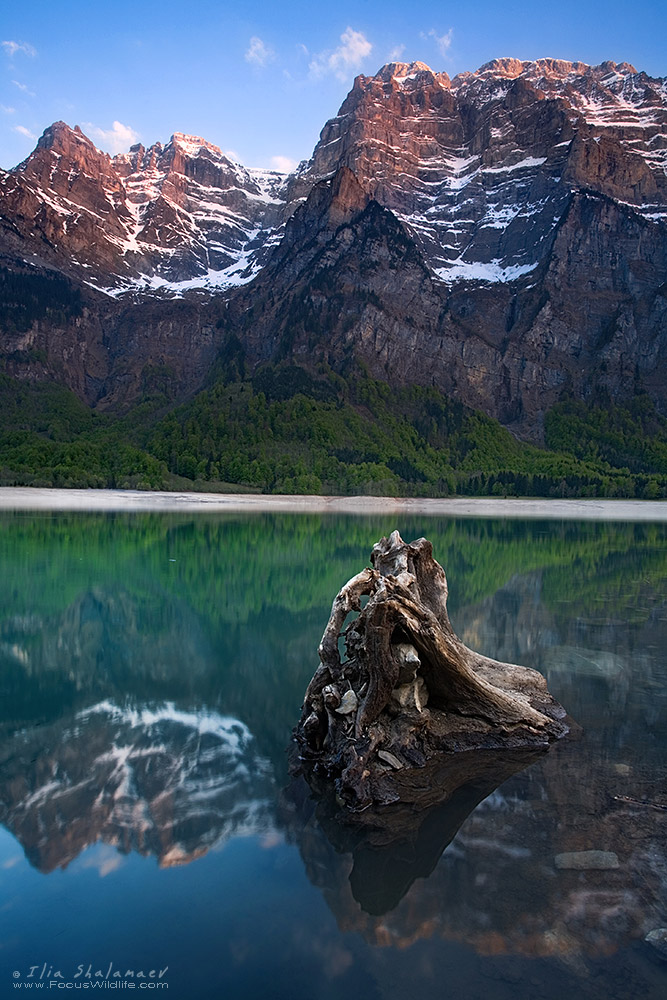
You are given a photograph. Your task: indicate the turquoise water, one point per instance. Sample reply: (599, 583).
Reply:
(151, 670)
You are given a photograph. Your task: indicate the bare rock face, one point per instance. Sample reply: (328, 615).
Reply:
(500, 235)
(403, 720)
(480, 168)
(142, 220)
(67, 204)
(520, 249)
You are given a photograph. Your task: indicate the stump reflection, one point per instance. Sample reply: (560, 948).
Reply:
(407, 843)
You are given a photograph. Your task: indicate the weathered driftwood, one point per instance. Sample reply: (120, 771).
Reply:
(409, 691)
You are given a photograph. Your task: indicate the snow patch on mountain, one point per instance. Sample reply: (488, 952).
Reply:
(491, 271)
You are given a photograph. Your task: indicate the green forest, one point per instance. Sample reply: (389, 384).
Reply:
(284, 429)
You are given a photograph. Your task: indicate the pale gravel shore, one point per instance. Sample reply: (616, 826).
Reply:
(27, 498)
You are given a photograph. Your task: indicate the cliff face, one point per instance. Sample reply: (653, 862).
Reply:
(181, 213)
(358, 285)
(481, 169)
(536, 195)
(501, 235)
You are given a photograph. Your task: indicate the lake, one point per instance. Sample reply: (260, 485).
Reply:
(152, 667)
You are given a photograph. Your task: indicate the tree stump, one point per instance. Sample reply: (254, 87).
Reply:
(391, 724)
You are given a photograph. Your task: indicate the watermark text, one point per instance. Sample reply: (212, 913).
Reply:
(89, 976)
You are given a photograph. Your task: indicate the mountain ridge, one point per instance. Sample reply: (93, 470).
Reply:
(169, 185)
(527, 257)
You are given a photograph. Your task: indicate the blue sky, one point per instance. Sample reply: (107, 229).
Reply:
(259, 79)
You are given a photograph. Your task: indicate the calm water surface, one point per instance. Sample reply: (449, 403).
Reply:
(151, 670)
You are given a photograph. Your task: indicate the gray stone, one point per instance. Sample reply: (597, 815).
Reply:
(389, 758)
(348, 703)
(412, 697)
(657, 938)
(586, 861)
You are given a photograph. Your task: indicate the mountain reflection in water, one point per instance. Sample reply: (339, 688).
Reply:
(152, 667)
(159, 781)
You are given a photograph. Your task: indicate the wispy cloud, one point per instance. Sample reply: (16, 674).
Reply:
(396, 53)
(11, 48)
(258, 52)
(7, 110)
(345, 59)
(22, 130)
(116, 139)
(284, 164)
(104, 860)
(23, 88)
(443, 42)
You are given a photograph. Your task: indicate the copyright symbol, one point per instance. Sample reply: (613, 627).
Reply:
(17, 975)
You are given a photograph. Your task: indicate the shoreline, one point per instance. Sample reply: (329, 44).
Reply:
(25, 498)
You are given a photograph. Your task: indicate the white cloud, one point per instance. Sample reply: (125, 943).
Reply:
(23, 88)
(347, 58)
(11, 48)
(6, 110)
(258, 53)
(442, 41)
(104, 860)
(396, 53)
(116, 139)
(284, 164)
(22, 130)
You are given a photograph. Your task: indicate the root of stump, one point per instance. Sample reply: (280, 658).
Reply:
(409, 689)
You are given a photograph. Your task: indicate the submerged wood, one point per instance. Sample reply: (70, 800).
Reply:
(409, 691)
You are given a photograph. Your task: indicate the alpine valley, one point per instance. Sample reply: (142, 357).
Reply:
(464, 289)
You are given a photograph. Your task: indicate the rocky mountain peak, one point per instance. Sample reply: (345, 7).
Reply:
(464, 163)
(153, 218)
(60, 135)
(400, 76)
(400, 73)
(544, 69)
(60, 140)
(612, 67)
(66, 165)
(511, 68)
(139, 158)
(503, 67)
(194, 145)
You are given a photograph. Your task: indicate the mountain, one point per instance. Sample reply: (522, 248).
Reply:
(480, 169)
(181, 213)
(500, 235)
